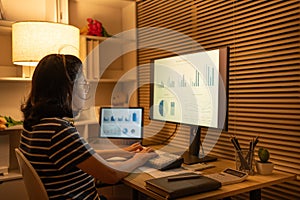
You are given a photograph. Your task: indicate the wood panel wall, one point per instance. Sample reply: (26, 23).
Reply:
(264, 72)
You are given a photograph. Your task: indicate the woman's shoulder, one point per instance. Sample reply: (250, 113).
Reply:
(49, 125)
(54, 121)
(53, 125)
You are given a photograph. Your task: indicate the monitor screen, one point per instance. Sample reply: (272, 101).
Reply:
(191, 88)
(121, 122)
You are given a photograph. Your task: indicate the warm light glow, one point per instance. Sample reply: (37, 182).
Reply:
(33, 40)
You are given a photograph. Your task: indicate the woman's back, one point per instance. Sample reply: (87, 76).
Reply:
(54, 148)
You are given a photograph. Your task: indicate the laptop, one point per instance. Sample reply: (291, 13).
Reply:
(119, 127)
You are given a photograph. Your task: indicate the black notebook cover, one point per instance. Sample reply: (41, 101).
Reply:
(179, 188)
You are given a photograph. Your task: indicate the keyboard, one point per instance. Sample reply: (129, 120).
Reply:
(165, 160)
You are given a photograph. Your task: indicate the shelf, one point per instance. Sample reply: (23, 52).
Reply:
(85, 122)
(103, 80)
(113, 76)
(6, 23)
(114, 39)
(92, 37)
(12, 128)
(101, 39)
(12, 175)
(6, 26)
(110, 80)
(110, 3)
(15, 79)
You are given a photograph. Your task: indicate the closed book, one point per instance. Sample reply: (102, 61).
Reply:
(181, 185)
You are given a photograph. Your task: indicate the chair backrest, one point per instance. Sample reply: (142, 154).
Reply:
(33, 184)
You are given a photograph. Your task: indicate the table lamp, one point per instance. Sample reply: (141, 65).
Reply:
(32, 40)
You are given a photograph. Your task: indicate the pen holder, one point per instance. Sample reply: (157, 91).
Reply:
(244, 161)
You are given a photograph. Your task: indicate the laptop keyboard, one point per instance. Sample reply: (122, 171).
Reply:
(111, 144)
(114, 141)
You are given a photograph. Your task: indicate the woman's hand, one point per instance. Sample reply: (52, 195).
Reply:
(126, 152)
(147, 150)
(136, 147)
(145, 154)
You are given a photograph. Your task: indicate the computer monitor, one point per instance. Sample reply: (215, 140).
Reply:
(121, 122)
(191, 89)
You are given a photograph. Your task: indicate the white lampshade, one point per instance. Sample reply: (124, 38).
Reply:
(33, 40)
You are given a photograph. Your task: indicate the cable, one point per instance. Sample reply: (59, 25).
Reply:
(165, 140)
(172, 134)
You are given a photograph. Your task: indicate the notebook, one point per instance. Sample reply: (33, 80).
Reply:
(119, 127)
(182, 185)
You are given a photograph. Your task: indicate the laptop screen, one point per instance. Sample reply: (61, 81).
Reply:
(121, 122)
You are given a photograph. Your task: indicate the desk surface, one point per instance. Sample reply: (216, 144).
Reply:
(137, 181)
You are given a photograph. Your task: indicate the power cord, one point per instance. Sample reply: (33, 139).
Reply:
(165, 140)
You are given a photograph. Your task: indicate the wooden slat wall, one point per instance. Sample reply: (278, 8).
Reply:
(152, 13)
(264, 72)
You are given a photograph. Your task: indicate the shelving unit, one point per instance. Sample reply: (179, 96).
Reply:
(117, 16)
(13, 89)
(11, 184)
(110, 70)
(109, 79)
(6, 66)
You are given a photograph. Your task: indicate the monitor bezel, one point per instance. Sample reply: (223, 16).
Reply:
(224, 71)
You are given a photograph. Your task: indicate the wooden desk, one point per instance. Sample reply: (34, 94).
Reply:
(253, 184)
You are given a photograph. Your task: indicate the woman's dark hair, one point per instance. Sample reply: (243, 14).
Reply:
(51, 89)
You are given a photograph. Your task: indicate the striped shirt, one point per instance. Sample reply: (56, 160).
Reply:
(54, 148)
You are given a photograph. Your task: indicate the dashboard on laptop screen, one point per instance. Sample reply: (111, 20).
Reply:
(121, 122)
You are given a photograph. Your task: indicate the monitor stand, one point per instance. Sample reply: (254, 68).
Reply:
(192, 156)
(191, 159)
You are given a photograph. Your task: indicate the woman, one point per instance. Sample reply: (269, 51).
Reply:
(66, 164)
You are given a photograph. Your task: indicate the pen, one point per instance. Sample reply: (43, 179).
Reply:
(252, 147)
(183, 177)
(250, 151)
(244, 163)
(251, 155)
(255, 141)
(236, 144)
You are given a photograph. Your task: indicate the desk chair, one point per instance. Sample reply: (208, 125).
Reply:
(33, 184)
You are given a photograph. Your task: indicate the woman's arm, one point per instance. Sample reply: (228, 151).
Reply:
(108, 153)
(113, 172)
(126, 152)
